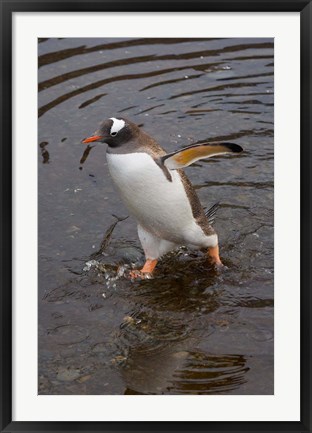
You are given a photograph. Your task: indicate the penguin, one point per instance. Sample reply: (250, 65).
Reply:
(156, 191)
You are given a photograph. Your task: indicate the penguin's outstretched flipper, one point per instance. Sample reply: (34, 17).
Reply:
(183, 158)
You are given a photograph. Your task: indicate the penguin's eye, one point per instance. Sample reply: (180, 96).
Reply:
(113, 134)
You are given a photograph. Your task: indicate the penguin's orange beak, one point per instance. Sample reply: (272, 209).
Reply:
(92, 138)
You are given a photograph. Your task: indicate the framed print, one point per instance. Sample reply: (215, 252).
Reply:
(155, 216)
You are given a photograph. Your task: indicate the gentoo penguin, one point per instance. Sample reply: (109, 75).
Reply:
(156, 191)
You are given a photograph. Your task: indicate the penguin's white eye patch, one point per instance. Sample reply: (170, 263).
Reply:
(117, 125)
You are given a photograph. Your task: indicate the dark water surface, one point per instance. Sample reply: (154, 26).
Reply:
(188, 330)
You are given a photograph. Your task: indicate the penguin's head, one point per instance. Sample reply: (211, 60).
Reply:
(114, 131)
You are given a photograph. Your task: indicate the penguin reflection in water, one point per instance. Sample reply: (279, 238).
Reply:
(156, 191)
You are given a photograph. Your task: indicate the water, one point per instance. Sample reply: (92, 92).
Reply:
(189, 329)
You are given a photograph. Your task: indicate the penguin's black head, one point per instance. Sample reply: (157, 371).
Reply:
(114, 132)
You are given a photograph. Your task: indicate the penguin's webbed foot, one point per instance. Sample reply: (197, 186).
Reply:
(137, 274)
(213, 253)
(220, 267)
(146, 271)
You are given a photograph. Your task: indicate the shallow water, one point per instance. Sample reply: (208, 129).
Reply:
(189, 329)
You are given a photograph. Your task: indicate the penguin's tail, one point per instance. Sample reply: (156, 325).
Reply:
(211, 212)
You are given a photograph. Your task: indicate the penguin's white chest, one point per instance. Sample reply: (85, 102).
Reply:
(160, 206)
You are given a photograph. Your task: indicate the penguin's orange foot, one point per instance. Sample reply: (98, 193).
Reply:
(213, 253)
(135, 274)
(149, 266)
(139, 275)
(145, 272)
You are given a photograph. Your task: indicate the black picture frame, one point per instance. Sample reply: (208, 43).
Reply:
(7, 9)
